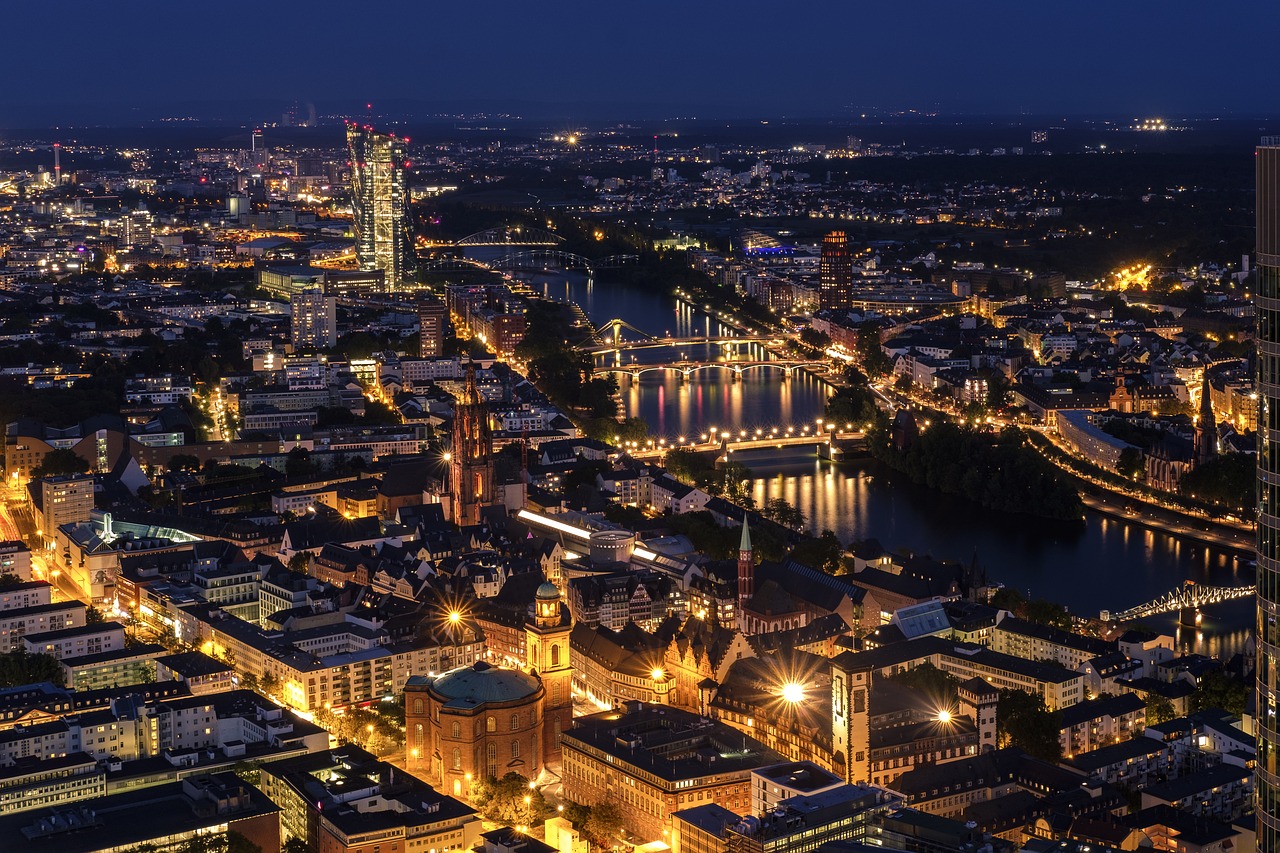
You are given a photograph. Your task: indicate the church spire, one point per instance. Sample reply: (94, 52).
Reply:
(746, 575)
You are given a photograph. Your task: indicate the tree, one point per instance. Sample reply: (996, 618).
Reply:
(1023, 720)
(228, 842)
(92, 615)
(1130, 463)
(870, 353)
(851, 405)
(510, 801)
(298, 463)
(811, 337)
(58, 463)
(299, 563)
(184, 462)
(1217, 690)
(1159, 709)
(927, 680)
(604, 824)
(1229, 480)
(780, 510)
(822, 552)
(22, 667)
(9, 579)
(269, 683)
(295, 845)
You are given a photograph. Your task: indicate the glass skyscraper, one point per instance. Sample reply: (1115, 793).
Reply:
(1267, 305)
(380, 202)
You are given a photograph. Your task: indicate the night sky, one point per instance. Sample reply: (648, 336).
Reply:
(135, 59)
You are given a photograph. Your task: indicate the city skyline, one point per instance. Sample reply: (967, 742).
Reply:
(659, 60)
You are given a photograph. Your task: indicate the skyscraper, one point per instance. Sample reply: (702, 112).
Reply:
(835, 273)
(1268, 654)
(380, 202)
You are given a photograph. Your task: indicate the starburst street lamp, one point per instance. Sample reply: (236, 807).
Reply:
(792, 692)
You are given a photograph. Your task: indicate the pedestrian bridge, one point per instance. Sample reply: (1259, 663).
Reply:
(1189, 596)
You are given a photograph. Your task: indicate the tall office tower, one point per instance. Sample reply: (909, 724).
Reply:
(380, 200)
(1268, 654)
(835, 272)
(315, 319)
(431, 322)
(471, 457)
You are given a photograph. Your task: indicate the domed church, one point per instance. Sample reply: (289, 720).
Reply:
(482, 721)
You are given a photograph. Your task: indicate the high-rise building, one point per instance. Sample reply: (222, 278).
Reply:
(315, 319)
(1268, 656)
(65, 500)
(835, 273)
(380, 202)
(471, 456)
(431, 322)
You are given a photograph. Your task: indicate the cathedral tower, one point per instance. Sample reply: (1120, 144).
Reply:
(471, 457)
(547, 654)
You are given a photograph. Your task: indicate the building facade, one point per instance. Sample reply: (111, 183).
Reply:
(1268, 661)
(432, 317)
(835, 272)
(315, 319)
(380, 202)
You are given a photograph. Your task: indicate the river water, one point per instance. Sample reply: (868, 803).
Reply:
(1103, 563)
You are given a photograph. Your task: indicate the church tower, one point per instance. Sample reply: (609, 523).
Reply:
(1206, 429)
(746, 575)
(471, 457)
(547, 654)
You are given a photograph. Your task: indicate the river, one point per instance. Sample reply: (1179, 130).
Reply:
(1103, 563)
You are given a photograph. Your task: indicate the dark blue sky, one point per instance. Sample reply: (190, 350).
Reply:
(77, 60)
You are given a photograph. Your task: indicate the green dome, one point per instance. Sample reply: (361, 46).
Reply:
(547, 592)
(480, 684)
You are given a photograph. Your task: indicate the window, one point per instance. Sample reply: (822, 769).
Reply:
(457, 759)
(515, 749)
(491, 724)
(515, 722)
(417, 706)
(555, 654)
(455, 730)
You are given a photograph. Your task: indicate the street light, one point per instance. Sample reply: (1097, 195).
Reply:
(792, 692)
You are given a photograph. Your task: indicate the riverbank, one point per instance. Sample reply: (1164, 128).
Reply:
(1173, 524)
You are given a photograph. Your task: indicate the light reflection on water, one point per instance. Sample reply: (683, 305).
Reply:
(1101, 564)
(1104, 563)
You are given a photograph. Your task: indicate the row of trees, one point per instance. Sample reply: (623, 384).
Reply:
(998, 471)
(377, 732)
(564, 374)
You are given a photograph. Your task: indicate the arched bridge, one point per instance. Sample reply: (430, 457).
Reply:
(1189, 596)
(514, 235)
(542, 259)
(688, 368)
(654, 343)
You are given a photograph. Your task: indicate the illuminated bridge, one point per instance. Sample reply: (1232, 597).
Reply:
(513, 236)
(688, 368)
(1189, 596)
(758, 440)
